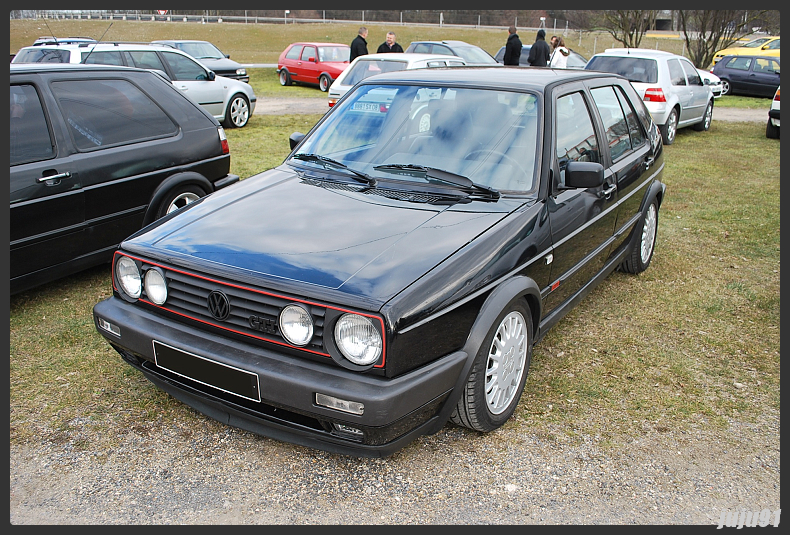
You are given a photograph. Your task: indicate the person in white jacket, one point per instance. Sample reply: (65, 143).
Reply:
(559, 58)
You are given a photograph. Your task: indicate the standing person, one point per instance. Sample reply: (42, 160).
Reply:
(539, 53)
(512, 47)
(359, 46)
(559, 58)
(389, 45)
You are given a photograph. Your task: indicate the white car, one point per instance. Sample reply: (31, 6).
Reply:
(670, 86)
(370, 64)
(710, 79)
(772, 128)
(230, 101)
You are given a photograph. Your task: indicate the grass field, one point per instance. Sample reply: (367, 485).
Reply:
(262, 43)
(692, 342)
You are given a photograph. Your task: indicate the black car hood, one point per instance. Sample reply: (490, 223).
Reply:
(277, 227)
(220, 64)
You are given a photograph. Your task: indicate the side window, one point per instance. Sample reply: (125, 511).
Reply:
(765, 65)
(773, 45)
(111, 57)
(617, 135)
(184, 68)
(147, 60)
(308, 52)
(293, 52)
(676, 74)
(422, 48)
(634, 127)
(103, 113)
(741, 64)
(691, 73)
(575, 136)
(441, 49)
(30, 139)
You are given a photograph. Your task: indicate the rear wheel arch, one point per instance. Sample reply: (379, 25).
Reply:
(169, 186)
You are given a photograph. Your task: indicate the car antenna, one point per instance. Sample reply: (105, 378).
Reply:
(50, 31)
(97, 42)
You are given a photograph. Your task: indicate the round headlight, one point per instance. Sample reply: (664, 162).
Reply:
(296, 325)
(128, 277)
(358, 339)
(155, 286)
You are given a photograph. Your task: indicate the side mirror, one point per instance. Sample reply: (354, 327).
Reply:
(227, 55)
(297, 137)
(583, 175)
(211, 75)
(311, 59)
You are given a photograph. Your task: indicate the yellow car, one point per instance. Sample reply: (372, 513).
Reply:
(762, 46)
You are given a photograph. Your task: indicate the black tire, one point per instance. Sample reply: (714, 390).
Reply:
(704, 126)
(670, 129)
(726, 88)
(179, 197)
(494, 386)
(771, 131)
(238, 113)
(324, 82)
(644, 241)
(285, 77)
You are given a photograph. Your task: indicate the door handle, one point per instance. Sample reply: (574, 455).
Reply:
(607, 192)
(54, 179)
(648, 162)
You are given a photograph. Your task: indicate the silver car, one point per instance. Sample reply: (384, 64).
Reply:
(370, 64)
(669, 84)
(230, 101)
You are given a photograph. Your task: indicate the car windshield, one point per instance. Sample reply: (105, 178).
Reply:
(334, 53)
(472, 54)
(415, 133)
(635, 69)
(200, 50)
(757, 43)
(368, 67)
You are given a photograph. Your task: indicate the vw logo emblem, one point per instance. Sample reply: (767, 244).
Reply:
(218, 305)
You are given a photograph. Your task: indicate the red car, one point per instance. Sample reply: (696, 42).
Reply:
(312, 63)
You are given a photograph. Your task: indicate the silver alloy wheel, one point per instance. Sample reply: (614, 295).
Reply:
(239, 111)
(506, 361)
(323, 83)
(648, 233)
(182, 200)
(708, 116)
(672, 125)
(725, 87)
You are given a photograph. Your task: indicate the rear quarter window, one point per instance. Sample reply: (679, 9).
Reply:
(108, 112)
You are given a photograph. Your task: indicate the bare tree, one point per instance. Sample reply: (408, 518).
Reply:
(628, 26)
(707, 31)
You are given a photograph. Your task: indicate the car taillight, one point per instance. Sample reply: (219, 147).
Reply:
(223, 141)
(654, 94)
(776, 96)
(332, 102)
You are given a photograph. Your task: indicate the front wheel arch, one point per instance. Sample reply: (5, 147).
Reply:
(519, 287)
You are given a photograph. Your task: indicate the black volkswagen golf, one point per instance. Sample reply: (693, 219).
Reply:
(394, 273)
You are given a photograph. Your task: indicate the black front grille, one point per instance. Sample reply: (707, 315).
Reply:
(253, 312)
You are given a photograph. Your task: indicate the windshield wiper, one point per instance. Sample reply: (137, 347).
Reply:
(358, 175)
(442, 175)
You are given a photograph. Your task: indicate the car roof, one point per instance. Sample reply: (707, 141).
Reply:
(66, 67)
(535, 78)
(451, 42)
(638, 52)
(409, 57)
(754, 56)
(119, 45)
(318, 43)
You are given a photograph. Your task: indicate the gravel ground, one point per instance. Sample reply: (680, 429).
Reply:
(182, 473)
(213, 474)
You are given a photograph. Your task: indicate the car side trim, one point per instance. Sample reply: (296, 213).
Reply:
(523, 266)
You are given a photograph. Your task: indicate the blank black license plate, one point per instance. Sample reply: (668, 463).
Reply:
(208, 372)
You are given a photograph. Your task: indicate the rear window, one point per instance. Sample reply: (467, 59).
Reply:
(42, 55)
(365, 68)
(103, 113)
(635, 69)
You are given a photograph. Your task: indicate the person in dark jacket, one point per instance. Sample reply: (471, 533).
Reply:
(512, 47)
(359, 46)
(540, 52)
(389, 45)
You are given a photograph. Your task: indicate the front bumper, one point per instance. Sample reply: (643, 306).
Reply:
(396, 411)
